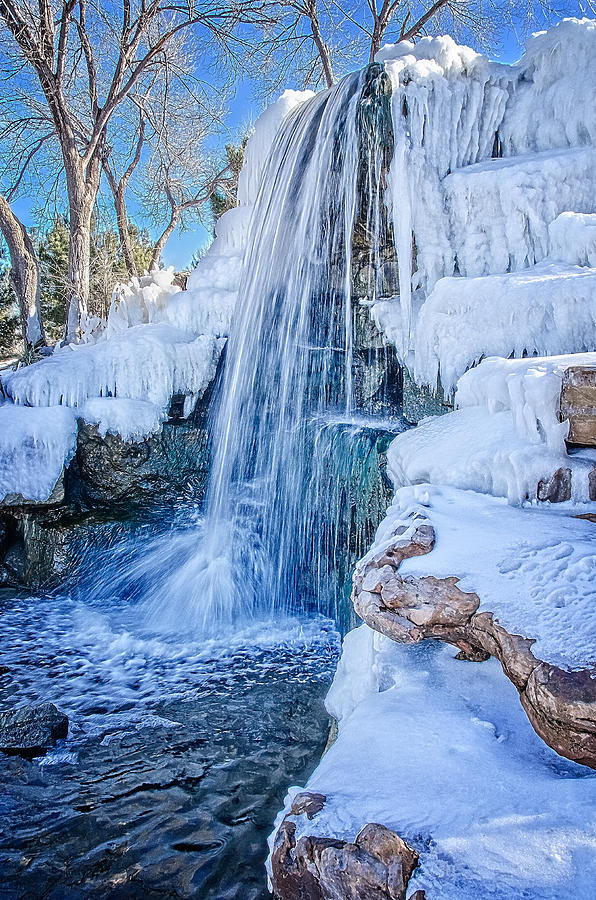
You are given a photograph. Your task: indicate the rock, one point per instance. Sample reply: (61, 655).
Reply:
(578, 404)
(109, 470)
(558, 487)
(32, 728)
(560, 705)
(376, 866)
(309, 803)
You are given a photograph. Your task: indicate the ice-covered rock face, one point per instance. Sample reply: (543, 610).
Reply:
(466, 213)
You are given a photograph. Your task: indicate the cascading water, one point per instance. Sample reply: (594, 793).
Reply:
(289, 364)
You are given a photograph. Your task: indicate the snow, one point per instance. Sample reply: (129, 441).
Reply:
(479, 450)
(533, 568)
(441, 751)
(530, 388)
(145, 362)
(573, 238)
(133, 420)
(261, 141)
(35, 445)
(548, 309)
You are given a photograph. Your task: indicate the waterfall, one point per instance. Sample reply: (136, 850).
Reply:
(289, 365)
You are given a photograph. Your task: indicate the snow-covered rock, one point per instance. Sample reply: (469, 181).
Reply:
(35, 445)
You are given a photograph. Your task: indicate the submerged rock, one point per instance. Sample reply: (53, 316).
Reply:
(32, 729)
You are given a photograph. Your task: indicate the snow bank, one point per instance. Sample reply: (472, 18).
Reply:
(133, 420)
(478, 450)
(530, 388)
(145, 362)
(499, 211)
(35, 445)
(548, 309)
(533, 567)
(443, 753)
(573, 238)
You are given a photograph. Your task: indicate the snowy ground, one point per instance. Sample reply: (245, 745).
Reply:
(441, 752)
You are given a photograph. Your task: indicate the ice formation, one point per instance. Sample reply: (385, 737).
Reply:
(144, 362)
(35, 444)
(468, 214)
(548, 309)
(133, 420)
(441, 752)
(572, 239)
(530, 388)
(481, 451)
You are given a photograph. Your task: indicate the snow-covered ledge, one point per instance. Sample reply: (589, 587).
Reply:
(516, 584)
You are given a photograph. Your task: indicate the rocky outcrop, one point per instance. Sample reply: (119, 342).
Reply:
(109, 470)
(30, 730)
(560, 705)
(376, 866)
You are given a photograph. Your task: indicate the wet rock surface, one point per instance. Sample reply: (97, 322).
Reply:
(560, 705)
(32, 728)
(377, 865)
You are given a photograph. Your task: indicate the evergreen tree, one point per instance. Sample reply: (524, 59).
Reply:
(10, 327)
(224, 199)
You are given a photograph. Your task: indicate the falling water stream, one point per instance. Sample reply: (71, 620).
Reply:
(192, 657)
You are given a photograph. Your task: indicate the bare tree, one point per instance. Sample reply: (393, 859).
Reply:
(118, 187)
(315, 38)
(88, 58)
(24, 275)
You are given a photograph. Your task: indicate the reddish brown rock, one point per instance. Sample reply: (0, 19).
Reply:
(377, 866)
(560, 705)
(558, 487)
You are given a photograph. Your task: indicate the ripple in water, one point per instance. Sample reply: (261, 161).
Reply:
(178, 757)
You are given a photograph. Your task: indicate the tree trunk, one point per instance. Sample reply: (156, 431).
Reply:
(163, 239)
(82, 193)
(123, 233)
(24, 276)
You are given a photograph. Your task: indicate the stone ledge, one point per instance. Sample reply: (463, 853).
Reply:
(561, 705)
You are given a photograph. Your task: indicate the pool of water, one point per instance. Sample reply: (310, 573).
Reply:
(179, 752)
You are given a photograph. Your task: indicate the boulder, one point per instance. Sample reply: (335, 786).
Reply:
(376, 866)
(32, 729)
